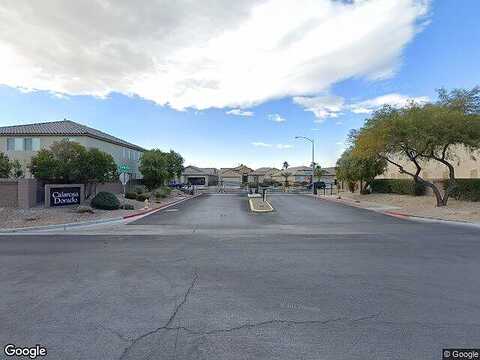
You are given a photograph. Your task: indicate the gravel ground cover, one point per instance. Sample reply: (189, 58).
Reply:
(421, 205)
(38, 216)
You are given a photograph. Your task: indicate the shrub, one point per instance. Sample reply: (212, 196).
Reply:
(131, 195)
(160, 195)
(138, 190)
(398, 186)
(106, 201)
(163, 192)
(467, 189)
(127, 207)
(81, 209)
(142, 197)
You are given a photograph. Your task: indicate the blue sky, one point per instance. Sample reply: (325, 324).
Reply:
(437, 46)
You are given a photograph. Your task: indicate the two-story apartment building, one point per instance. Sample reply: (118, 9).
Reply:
(22, 142)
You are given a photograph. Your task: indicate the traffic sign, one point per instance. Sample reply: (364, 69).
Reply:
(124, 177)
(124, 168)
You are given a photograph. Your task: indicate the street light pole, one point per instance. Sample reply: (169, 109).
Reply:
(313, 159)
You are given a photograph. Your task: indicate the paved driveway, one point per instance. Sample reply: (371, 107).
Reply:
(313, 280)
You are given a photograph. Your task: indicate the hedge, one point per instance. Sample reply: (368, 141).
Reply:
(131, 195)
(467, 189)
(398, 186)
(142, 197)
(106, 201)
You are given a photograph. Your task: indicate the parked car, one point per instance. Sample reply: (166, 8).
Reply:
(318, 185)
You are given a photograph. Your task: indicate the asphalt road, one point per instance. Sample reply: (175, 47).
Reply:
(236, 285)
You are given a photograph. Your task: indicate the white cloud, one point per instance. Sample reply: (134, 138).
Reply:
(396, 100)
(277, 146)
(239, 112)
(322, 106)
(201, 54)
(330, 106)
(261, 144)
(277, 118)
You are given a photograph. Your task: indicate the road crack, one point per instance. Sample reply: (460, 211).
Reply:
(167, 324)
(271, 322)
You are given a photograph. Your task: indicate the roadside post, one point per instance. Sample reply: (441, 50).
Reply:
(124, 176)
(313, 159)
(264, 194)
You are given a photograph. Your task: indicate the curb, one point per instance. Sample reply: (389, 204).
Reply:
(92, 222)
(252, 208)
(401, 215)
(151, 211)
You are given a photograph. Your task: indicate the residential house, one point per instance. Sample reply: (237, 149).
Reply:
(235, 177)
(22, 142)
(297, 174)
(329, 176)
(194, 175)
(259, 175)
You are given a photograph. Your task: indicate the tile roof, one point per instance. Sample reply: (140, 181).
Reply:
(264, 171)
(194, 170)
(64, 128)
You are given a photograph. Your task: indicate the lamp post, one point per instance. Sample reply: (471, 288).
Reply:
(313, 160)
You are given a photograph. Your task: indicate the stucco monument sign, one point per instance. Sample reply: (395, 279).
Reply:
(63, 194)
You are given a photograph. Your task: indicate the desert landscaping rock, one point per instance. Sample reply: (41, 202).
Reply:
(423, 206)
(38, 216)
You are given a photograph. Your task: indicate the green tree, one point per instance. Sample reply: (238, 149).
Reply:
(154, 168)
(69, 162)
(17, 170)
(319, 172)
(65, 162)
(352, 169)
(285, 173)
(174, 164)
(423, 133)
(100, 168)
(5, 166)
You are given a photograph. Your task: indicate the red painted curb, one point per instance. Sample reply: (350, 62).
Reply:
(160, 208)
(400, 215)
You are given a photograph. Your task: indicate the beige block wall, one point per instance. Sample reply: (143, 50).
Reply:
(46, 141)
(467, 166)
(8, 193)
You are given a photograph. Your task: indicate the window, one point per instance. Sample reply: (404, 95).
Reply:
(27, 144)
(35, 144)
(18, 144)
(124, 153)
(10, 144)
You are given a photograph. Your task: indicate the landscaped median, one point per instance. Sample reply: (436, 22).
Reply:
(411, 206)
(45, 218)
(257, 204)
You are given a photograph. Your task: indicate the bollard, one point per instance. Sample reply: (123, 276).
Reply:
(264, 194)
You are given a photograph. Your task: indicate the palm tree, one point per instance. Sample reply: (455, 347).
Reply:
(285, 173)
(319, 172)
